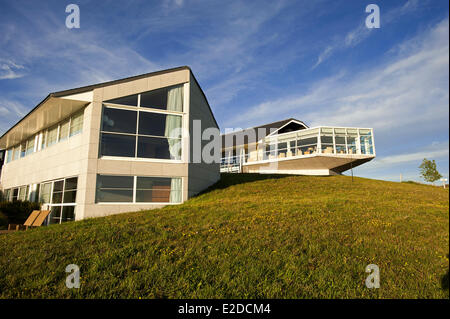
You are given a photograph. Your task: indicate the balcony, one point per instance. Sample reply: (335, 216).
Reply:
(325, 141)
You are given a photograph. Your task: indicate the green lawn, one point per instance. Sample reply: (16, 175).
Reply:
(250, 236)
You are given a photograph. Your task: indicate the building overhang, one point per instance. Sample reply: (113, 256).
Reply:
(334, 162)
(49, 112)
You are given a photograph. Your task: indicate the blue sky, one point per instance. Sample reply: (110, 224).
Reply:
(257, 61)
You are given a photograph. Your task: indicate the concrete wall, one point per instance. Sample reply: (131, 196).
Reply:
(201, 175)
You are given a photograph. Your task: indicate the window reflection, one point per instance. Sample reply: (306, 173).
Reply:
(118, 145)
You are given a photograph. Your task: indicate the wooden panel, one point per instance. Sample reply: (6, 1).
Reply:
(40, 219)
(34, 214)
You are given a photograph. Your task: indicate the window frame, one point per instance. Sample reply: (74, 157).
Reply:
(134, 202)
(139, 109)
(50, 204)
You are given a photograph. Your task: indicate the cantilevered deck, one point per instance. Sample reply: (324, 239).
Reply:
(320, 150)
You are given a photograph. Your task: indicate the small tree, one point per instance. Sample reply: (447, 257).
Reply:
(428, 171)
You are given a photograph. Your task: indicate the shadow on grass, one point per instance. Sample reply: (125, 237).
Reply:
(445, 279)
(230, 179)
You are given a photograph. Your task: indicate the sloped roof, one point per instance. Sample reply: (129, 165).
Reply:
(114, 82)
(103, 84)
(254, 134)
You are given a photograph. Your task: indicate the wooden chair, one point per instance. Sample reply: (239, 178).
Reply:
(35, 219)
(28, 223)
(41, 218)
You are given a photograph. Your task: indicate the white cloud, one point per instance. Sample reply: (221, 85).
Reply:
(323, 56)
(80, 56)
(10, 111)
(10, 70)
(361, 32)
(406, 163)
(408, 91)
(436, 152)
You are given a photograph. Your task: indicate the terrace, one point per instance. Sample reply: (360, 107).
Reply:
(337, 142)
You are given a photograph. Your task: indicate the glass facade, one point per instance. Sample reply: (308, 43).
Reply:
(142, 132)
(138, 189)
(60, 196)
(321, 140)
(168, 99)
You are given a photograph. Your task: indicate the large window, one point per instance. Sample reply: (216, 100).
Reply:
(16, 152)
(9, 155)
(131, 100)
(23, 149)
(18, 193)
(151, 130)
(366, 141)
(158, 189)
(15, 194)
(118, 189)
(117, 145)
(138, 189)
(45, 193)
(307, 142)
(7, 195)
(352, 136)
(61, 196)
(326, 140)
(168, 98)
(156, 135)
(340, 140)
(64, 130)
(30, 146)
(52, 136)
(76, 124)
(23, 193)
(119, 120)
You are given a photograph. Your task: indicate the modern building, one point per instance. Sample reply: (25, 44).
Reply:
(291, 147)
(112, 147)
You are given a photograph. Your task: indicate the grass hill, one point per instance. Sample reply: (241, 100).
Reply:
(250, 236)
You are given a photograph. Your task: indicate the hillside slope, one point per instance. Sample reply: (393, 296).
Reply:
(250, 236)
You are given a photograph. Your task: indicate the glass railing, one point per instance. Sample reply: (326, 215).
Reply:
(313, 141)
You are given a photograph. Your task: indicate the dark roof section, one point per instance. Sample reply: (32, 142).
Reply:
(260, 132)
(103, 84)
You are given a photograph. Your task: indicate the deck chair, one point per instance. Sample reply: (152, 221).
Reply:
(41, 218)
(28, 223)
(36, 218)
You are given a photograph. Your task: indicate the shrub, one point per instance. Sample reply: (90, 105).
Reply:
(17, 212)
(3, 221)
